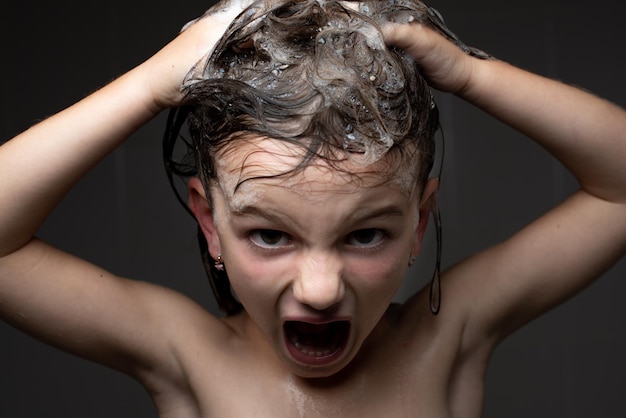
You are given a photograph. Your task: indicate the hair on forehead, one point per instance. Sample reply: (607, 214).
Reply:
(258, 158)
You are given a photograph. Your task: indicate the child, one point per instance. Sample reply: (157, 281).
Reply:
(374, 361)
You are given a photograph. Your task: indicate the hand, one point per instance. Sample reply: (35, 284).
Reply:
(166, 71)
(421, 31)
(446, 66)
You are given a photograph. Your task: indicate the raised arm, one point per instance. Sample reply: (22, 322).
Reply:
(567, 248)
(52, 295)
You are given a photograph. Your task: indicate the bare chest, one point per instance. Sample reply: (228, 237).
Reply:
(291, 399)
(405, 374)
(397, 387)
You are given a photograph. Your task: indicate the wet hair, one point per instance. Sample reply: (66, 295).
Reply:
(314, 73)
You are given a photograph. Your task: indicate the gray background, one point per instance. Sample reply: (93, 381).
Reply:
(124, 217)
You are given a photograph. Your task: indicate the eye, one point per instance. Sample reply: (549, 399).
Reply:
(269, 238)
(366, 238)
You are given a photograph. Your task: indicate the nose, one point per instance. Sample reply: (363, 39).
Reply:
(319, 283)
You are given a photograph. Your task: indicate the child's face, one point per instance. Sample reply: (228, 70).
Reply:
(316, 257)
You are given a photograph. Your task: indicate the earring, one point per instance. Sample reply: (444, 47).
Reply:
(219, 263)
(412, 261)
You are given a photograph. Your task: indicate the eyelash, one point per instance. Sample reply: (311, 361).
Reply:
(256, 240)
(380, 237)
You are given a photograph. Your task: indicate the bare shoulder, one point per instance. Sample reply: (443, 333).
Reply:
(183, 342)
(431, 354)
(494, 292)
(132, 326)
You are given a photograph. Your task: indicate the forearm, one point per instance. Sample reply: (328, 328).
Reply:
(40, 165)
(586, 133)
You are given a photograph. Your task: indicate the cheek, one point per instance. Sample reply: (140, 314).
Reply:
(375, 285)
(257, 284)
(246, 279)
(254, 294)
(378, 277)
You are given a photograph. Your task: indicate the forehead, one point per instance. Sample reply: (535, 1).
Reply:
(254, 161)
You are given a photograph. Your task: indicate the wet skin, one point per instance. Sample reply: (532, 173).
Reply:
(306, 251)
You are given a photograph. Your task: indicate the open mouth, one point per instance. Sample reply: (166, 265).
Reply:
(316, 344)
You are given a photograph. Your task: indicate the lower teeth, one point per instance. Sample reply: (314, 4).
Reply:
(310, 352)
(317, 340)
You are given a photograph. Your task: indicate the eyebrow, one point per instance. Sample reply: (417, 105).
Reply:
(251, 210)
(361, 214)
(387, 211)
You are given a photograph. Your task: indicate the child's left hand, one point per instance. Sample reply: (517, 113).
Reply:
(446, 67)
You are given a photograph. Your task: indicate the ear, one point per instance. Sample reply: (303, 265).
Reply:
(199, 206)
(429, 195)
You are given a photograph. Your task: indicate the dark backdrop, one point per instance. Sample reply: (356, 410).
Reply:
(124, 217)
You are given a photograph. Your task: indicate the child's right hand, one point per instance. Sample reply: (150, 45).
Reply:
(165, 72)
